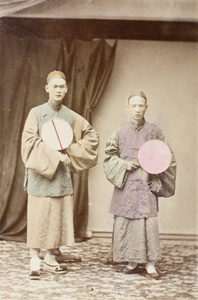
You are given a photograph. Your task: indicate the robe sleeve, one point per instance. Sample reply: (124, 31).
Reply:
(163, 184)
(115, 167)
(36, 155)
(83, 152)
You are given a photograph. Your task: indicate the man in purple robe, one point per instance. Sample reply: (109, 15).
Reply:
(135, 197)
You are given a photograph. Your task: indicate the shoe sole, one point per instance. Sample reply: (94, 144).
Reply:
(54, 269)
(35, 275)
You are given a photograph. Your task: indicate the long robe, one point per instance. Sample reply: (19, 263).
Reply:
(134, 202)
(48, 180)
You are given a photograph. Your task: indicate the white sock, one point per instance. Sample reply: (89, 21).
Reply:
(150, 267)
(50, 259)
(132, 265)
(35, 262)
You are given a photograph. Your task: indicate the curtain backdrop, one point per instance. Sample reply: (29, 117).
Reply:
(8, 7)
(25, 63)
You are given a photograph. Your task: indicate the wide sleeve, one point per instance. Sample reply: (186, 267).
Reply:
(115, 167)
(83, 152)
(36, 155)
(163, 184)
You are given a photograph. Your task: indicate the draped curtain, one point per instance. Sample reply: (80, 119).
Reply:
(8, 7)
(25, 63)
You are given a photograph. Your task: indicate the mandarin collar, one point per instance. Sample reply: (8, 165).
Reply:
(137, 126)
(55, 105)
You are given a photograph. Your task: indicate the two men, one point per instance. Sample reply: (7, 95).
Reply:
(49, 186)
(48, 176)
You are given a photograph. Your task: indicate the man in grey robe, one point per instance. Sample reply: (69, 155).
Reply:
(135, 197)
(48, 176)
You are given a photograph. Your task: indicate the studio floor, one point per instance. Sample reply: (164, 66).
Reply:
(93, 278)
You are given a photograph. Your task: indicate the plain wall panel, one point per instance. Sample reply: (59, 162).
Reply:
(167, 73)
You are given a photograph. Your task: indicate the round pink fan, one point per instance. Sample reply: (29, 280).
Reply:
(154, 156)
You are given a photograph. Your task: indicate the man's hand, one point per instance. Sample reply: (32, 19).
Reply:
(64, 158)
(155, 185)
(132, 165)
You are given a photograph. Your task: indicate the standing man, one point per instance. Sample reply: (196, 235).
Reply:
(48, 175)
(135, 197)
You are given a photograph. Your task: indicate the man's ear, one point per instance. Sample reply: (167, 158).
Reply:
(46, 88)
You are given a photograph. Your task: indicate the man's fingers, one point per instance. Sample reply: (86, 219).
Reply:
(65, 159)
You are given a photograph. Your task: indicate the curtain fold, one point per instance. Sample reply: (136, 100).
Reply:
(25, 63)
(8, 7)
(91, 68)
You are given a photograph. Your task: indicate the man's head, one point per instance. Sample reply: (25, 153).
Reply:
(137, 105)
(56, 85)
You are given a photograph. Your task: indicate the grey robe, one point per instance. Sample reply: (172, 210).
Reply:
(49, 186)
(45, 174)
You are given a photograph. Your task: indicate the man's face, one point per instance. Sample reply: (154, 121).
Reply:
(137, 108)
(57, 88)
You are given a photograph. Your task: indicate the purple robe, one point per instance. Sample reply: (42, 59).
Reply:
(132, 196)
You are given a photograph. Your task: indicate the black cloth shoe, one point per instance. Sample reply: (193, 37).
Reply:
(154, 275)
(66, 258)
(34, 275)
(130, 271)
(57, 252)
